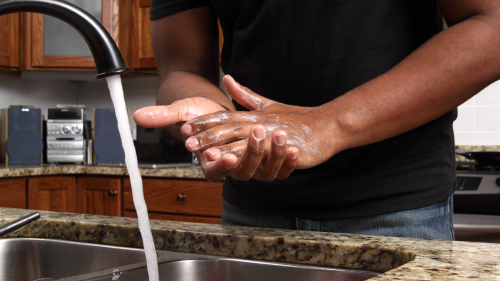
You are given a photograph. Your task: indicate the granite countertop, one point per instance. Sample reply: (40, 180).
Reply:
(193, 172)
(395, 258)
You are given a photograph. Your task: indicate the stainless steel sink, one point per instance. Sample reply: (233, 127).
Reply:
(31, 259)
(223, 269)
(47, 259)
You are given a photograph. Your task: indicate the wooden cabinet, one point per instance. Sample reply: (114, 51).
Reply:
(13, 193)
(136, 44)
(52, 193)
(99, 195)
(180, 200)
(9, 42)
(46, 46)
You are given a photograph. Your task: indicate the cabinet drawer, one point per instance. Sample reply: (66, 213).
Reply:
(178, 197)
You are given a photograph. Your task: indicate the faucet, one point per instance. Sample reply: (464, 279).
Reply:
(8, 228)
(107, 57)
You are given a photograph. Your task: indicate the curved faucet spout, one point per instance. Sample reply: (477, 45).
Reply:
(107, 57)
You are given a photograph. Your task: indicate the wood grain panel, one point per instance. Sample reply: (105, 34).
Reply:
(201, 197)
(58, 200)
(52, 193)
(13, 193)
(155, 216)
(202, 219)
(9, 41)
(99, 195)
(170, 217)
(144, 56)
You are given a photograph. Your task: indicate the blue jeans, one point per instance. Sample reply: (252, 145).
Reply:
(431, 222)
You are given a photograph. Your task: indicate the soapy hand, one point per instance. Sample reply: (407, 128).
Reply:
(264, 127)
(235, 160)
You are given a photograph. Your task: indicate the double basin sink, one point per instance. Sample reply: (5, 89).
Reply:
(46, 259)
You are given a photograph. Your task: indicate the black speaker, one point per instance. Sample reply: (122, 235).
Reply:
(21, 136)
(107, 142)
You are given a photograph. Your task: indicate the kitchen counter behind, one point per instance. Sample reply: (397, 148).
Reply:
(193, 172)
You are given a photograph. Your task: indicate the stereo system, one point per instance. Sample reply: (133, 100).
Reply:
(21, 136)
(65, 139)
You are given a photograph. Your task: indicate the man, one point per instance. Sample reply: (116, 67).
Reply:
(351, 106)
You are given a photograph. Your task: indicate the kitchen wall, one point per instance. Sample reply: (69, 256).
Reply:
(478, 121)
(40, 93)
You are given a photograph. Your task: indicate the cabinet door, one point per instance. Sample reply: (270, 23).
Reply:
(136, 44)
(13, 193)
(9, 41)
(52, 194)
(99, 195)
(55, 44)
(187, 197)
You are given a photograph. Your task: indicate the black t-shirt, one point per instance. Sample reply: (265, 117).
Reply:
(310, 52)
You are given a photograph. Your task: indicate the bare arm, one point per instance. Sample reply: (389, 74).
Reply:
(440, 75)
(186, 50)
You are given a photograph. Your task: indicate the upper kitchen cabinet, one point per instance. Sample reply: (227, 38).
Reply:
(9, 42)
(51, 44)
(136, 44)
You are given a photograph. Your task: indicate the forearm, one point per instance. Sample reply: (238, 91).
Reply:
(440, 75)
(180, 85)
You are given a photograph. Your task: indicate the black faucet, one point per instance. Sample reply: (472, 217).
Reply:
(107, 57)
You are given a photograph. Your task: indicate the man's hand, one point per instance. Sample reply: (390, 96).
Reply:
(178, 112)
(222, 132)
(237, 156)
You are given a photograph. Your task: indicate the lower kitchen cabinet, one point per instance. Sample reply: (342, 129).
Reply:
(13, 193)
(52, 193)
(99, 195)
(179, 200)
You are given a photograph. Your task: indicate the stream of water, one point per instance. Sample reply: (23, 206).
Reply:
(116, 91)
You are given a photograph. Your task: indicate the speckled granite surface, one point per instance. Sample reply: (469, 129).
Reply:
(396, 258)
(42, 170)
(474, 148)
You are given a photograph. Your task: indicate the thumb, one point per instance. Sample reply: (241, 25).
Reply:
(242, 95)
(157, 116)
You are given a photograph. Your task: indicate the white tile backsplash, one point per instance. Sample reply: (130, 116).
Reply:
(490, 95)
(466, 120)
(488, 118)
(478, 121)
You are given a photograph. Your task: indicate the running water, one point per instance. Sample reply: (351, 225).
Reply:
(116, 91)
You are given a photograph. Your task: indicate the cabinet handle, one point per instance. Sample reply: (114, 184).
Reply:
(181, 197)
(112, 193)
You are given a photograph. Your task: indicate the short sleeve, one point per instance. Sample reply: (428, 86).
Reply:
(162, 8)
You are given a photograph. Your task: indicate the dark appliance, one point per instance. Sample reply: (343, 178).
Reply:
(477, 197)
(108, 147)
(21, 136)
(158, 148)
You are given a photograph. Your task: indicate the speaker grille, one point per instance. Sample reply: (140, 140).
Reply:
(24, 143)
(107, 144)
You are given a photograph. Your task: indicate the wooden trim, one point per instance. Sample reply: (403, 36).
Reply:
(11, 59)
(144, 3)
